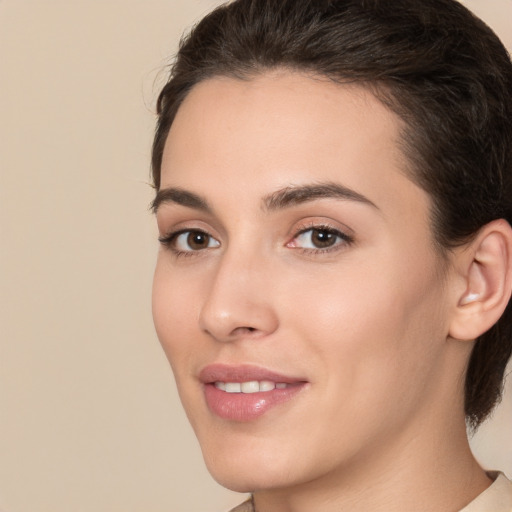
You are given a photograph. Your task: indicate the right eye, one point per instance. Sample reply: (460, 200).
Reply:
(188, 241)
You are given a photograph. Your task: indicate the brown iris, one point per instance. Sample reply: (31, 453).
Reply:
(197, 240)
(322, 238)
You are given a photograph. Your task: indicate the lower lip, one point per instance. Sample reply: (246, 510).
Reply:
(245, 407)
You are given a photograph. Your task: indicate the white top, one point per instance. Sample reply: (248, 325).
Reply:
(496, 498)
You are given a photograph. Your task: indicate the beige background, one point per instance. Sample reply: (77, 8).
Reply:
(89, 418)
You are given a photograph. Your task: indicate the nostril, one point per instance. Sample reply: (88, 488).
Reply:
(244, 330)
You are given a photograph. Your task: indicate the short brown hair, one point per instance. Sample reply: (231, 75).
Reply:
(436, 65)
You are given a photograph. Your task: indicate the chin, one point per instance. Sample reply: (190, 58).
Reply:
(236, 483)
(244, 471)
(247, 479)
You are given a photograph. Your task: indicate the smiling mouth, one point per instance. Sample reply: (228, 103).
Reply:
(251, 386)
(244, 393)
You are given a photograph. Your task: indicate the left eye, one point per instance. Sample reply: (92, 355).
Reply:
(318, 238)
(187, 241)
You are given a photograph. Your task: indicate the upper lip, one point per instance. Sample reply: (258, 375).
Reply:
(242, 373)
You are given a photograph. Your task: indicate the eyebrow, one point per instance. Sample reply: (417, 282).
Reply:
(295, 195)
(284, 198)
(180, 197)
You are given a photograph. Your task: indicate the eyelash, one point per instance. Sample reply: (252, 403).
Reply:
(345, 239)
(169, 240)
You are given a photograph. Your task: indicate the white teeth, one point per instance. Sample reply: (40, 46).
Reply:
(233, 387)
(267, 385)
(220, 385)
(252, 386)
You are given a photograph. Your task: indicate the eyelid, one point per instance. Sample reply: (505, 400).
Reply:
(181, 222)
(321, 222)
(344, 233)
(168, 240)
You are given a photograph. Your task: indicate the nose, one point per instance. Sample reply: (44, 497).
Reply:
(238, 302)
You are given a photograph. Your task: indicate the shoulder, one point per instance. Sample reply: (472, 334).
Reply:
(246, 506)
(497, 497)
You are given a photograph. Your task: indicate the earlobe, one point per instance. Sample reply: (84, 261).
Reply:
(487, 273)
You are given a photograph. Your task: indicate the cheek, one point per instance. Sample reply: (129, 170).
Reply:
(371, 345)
(174, 306)
(375, 326)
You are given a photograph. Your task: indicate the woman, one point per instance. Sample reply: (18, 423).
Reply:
(333, 195)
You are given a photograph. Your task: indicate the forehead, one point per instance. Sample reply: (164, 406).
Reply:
(285, 106)
(283, 128)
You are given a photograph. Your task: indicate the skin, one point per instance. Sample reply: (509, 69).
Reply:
(365, 322)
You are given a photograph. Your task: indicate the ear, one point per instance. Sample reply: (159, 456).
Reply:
(485, 266)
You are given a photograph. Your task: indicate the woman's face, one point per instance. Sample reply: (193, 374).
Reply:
(297, 293)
